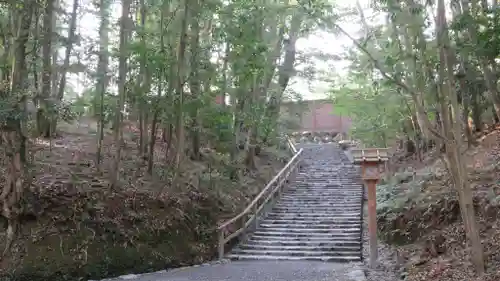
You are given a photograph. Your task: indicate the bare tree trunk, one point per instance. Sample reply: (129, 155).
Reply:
(44, 112)
(67, 56)
(156, 108)
(195, 84)
(179, 104)
(102, 73)
(12, 136)
(122, 77)
(454, 141)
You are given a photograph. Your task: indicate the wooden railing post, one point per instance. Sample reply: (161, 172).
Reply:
(221, 244)
(255, 219)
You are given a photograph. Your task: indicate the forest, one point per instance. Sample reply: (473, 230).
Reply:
(131, 169)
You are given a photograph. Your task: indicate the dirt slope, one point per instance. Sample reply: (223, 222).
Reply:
(75, 227)
(421, 217)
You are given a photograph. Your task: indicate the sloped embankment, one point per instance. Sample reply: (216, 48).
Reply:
(75, 228)
(420, 216)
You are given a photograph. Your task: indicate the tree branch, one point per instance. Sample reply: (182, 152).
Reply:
(413, 92)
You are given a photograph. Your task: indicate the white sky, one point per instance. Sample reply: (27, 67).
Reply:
(327, 43)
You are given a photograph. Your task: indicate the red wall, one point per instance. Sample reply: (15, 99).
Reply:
(318, 116)
(219, 99)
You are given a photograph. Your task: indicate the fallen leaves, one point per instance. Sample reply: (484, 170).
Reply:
(436, 246)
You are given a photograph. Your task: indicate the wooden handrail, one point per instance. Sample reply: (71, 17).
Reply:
(272, 189)
(291, 145)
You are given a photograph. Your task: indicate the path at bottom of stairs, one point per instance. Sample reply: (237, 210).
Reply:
(258, 271)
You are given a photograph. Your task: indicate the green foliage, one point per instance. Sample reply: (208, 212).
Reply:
(376, 110)
(217, 122)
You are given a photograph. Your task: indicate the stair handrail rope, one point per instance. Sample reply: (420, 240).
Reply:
(272, 189)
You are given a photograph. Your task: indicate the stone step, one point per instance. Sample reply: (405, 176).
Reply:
(325, 188)
(329, 187)
(320, 202)
(298, 194)
(331, 176)
(334, 177)
(332, 183)
(330, 172)
(315, 230)
(306, 199)
(315, 183)
(332, 209)
(325, 194)
(260, 246)
(328, 235)
(344, 202)
(340, 205)
(352, 258)
(318, 216)
(310, 225)
(306, 221)
(258, 237)
(319, 199)
(314, 215)
(294, 253)
(337, 205)
(308, 243)
(341, 189)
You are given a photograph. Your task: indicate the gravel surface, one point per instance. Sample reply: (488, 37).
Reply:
(258, 271)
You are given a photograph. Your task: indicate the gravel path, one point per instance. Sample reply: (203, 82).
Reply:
(258, 271)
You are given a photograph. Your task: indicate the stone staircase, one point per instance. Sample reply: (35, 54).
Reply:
(318, 217)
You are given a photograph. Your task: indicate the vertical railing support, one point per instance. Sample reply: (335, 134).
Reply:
(370, 160)
(255, 219)
(221, 244)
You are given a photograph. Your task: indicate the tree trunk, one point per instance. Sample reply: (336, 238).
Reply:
(46, 108)
(12, 136)
(122, 80)
(67, 56)
(454, 140)
(195, 84)
(179, 91)
(102, 73)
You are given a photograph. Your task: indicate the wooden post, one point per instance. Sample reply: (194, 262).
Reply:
(221, 244)
(372, 220)
(370, 160)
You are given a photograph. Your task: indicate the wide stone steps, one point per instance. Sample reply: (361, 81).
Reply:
(309, 226)
(333, 209)
(306, 222)
(317, 217)
(316, 252)
(312, 215)
(297, 243)
(267, 247)
(304, 239)
(327, 235)
(242, 256)
(316, 230)
(285, 243)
